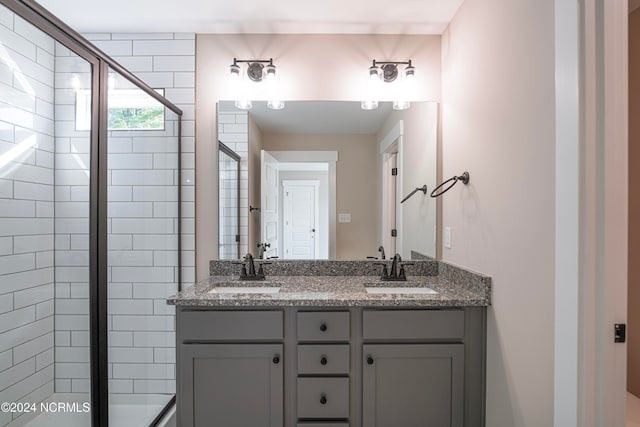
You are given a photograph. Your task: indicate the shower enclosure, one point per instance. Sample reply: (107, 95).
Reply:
(89, 231)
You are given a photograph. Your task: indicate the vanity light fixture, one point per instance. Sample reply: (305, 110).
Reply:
(387, 72)
(257, 70)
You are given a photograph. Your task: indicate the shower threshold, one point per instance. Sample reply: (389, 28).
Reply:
(125, 410)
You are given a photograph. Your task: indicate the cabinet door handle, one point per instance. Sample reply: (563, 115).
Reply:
(369, 360)
(323, 361)
(323, 327)
(276, 359)
(323, 399)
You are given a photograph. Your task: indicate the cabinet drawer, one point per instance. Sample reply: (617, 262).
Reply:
(413, 324)
(240, 325)
(323, 359)
(323, 326)
(323, 398)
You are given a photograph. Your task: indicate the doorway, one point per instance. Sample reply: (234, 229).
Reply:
(390, 166)
(296, 168)
(300, 222)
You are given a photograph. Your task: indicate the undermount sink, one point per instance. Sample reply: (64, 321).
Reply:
(400, 290)
(245, 290)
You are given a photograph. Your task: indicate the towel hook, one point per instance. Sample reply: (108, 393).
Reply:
(464, 178)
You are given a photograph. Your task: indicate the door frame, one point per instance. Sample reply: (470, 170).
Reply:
(300, 182)
(331, 158)
(235, 156)
(392, 143)
(591, 42)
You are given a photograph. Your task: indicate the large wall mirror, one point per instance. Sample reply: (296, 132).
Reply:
(325, 179)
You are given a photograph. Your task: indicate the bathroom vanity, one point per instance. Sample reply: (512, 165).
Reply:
(332, 348)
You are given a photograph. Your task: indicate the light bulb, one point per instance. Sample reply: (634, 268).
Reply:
(275, 104)
(244, 104)
(237, 88)
(374, 73)
(410, 73)
(371, 99)
(401, 105)
(273, 89)
(405, 90)
(369, 105)
(234, 70)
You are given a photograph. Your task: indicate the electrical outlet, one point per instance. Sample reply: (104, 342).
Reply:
(447, 237)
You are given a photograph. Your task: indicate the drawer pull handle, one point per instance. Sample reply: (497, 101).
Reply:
(323, 327)
(323, 361)
(369, 360)
(276, 359)
(323, 399)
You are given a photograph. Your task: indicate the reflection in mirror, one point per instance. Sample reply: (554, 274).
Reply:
(229, 203)
(324, 179)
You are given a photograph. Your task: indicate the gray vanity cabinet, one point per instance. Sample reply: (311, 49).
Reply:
(405, 385)
(233, 385)
(230, 368)
(331, 366)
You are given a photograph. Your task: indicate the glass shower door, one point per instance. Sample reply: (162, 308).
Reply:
(45, 149)
(143, 252)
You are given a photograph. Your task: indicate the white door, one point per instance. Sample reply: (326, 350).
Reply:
(269, 204)
(300, 219)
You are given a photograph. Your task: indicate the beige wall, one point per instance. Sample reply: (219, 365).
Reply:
(355, 181)
(419, 167)
(311, 67)
(255, 146)
(498, 122)
(633, 313)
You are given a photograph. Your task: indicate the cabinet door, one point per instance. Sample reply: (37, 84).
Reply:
(413, 385)
(231, 385)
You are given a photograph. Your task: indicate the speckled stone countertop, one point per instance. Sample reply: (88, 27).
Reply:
(454, 287)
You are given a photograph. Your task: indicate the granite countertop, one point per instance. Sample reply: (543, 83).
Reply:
(335, 291)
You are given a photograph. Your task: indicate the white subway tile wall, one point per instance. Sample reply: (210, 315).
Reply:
(233, 131)
(26, 214)
(44, 195)
(142, 211)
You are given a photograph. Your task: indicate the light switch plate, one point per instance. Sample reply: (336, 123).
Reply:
(447, 237)
(344, 217)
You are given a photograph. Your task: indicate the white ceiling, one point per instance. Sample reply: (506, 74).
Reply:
(316, 117)
(257, 16)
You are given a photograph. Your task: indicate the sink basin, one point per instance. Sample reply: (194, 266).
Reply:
(245, 290)
(401, 290)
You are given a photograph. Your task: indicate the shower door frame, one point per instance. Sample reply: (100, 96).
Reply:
(100, 62)
(235, 156)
